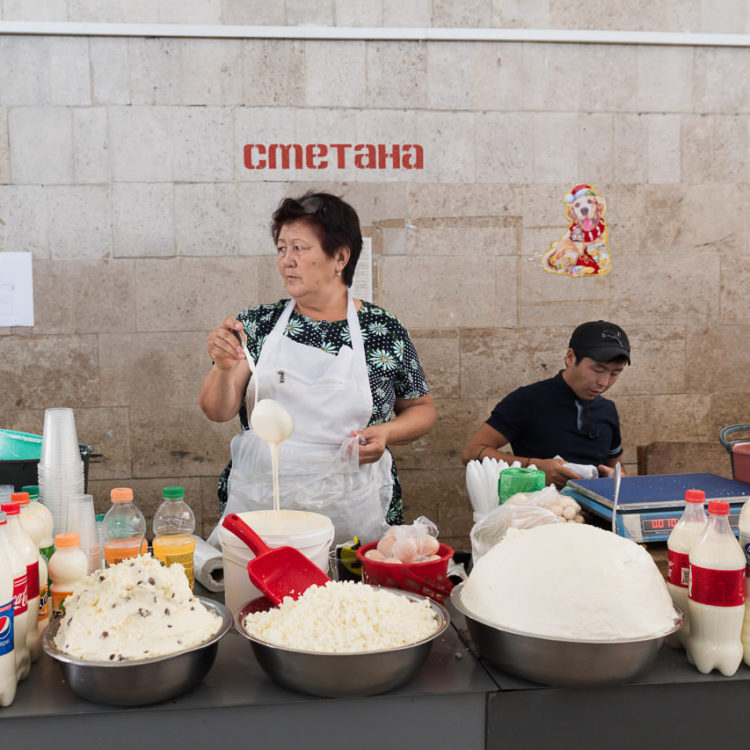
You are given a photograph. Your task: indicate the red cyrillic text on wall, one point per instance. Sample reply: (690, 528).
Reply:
(335, 155)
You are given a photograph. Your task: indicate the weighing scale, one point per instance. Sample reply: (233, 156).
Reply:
(649, 507)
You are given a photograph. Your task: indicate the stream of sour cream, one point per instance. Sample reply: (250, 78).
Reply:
(273, 424)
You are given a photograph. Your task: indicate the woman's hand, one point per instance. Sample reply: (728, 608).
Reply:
(223, 346)
(223, 388)
(375, 439)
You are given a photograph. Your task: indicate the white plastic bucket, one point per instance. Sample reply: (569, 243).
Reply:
(310, 533)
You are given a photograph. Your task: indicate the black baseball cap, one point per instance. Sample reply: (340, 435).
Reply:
(600, 340)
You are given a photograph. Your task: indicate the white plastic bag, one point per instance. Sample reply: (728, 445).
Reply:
(496, 524)
(562, 505)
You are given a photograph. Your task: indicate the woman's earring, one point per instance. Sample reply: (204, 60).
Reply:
(338, 272)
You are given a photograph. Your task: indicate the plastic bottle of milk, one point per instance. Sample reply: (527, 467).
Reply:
(744, 525)
(124, 528)
(35, 525)
(716, 594)
(684, 535)
(67, 566)
(20, 605)
(173, 526)
(7, 657)
(30, 556)
(37, 520)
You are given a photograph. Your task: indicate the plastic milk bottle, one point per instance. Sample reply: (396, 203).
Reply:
(30, 554)
(67, 566)
(745, 544)
(20, 605)
(35, 525)
(716, 595)
(7, 657)
(684, 535)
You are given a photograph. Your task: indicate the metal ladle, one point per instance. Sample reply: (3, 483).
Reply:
(251, 363)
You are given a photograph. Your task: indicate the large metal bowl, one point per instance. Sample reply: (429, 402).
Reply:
(138, 683)
(335, 675)
(562, 663)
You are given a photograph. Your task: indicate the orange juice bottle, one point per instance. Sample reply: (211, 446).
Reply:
(124, 528)
(173, 525)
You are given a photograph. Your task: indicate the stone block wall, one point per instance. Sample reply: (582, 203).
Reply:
(121, 170)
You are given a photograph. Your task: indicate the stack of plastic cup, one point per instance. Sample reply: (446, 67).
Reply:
(60, 468)
(82, 520)
(6, 490)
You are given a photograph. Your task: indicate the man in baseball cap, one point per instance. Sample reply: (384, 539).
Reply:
(563, 420)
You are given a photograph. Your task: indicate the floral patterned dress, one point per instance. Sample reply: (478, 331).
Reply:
(393, 366)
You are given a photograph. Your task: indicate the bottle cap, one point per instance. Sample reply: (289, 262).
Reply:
(170, 493)
(695, 496)
(67, 539)
(11, 509)
(22, 498)
(121, 494)
(718, 507)
(32, 489)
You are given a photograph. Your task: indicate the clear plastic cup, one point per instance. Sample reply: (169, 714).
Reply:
(59, 437)
(82, 521)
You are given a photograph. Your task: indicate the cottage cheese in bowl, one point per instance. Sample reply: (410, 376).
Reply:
(345, 617)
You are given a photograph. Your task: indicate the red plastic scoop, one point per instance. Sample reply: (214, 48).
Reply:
(279, 572)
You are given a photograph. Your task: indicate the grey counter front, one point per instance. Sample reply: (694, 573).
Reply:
(237, 706)
(457, 702)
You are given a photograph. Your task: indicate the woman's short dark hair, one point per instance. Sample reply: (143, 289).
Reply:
(333, 219)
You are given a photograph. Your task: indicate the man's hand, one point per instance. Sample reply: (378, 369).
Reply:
(609, 471)
(555, 470)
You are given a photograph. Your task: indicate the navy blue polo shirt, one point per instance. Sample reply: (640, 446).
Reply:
(546, 419)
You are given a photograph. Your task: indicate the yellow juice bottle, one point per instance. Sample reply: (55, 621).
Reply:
(173, 525)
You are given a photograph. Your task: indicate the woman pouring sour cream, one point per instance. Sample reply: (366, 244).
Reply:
(346, 371)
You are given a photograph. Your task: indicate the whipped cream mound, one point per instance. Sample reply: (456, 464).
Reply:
(570, 581)
(344, 617)
(137, 609)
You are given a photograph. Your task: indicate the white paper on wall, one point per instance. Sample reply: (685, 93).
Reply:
(16, 290)
(362, 283)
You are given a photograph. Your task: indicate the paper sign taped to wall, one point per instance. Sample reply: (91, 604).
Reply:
(362, 282)
(16, 290)
(583, 250)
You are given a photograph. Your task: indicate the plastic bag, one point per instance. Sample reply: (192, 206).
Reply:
(494, 527)
(409, 543)
(562, 505)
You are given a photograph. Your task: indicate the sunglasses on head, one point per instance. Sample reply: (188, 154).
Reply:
(312, 205)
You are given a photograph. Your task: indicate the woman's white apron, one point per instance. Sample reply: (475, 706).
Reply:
(319, 470)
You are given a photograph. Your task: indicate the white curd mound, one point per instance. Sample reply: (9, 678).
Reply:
(136, 609)
(344, 617)
(570, 581)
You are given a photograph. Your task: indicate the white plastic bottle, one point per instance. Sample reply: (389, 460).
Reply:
(744, 525)
(30, 554)
(20, 606)
(684, 535)
(38, 525)
(7, 657)
(716, 592)
(67, 566)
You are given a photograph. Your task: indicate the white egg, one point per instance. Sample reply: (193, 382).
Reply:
(405, 549)
(373, 554)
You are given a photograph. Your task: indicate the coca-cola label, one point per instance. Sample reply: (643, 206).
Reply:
(678, 572)
(6, 627)
(20, 601)
(719, 588)
(32, 580)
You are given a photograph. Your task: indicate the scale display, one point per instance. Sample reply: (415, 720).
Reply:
(650, 506)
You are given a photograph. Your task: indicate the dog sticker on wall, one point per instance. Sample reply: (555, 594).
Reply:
(583, 249)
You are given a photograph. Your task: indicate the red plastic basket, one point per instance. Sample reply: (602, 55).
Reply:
(428, 578)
